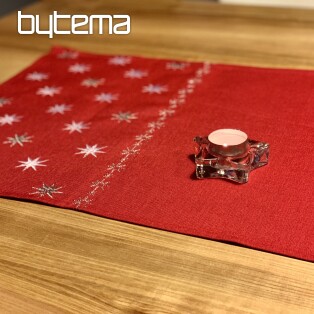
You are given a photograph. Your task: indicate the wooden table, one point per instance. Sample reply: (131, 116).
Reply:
(61, 261)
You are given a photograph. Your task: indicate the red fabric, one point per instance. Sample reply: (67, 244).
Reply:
(151, 182)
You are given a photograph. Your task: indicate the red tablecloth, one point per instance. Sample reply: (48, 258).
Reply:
(112, 135)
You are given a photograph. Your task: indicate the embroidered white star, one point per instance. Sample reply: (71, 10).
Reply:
(79, 68)
(48, 91)
(47, 190)
(154, 89)
(9, 119)
(90, 82)
(62, 108)
(68, 55)
(120, 60)
(176, 65)
(76, 126)
(138, 74)
(4, 101)
(124, 116)
(106, 97)
(91, 150)
(18, 139)
(32, 163)
(36, 76)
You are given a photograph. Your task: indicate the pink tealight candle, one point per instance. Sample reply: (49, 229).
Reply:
(228, 142)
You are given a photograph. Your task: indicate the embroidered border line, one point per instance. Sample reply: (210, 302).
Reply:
(152, 127)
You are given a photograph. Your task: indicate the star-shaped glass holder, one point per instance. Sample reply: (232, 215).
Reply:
(232, 162)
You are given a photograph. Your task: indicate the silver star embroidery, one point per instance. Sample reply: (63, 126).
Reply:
(32, 163)
(138, 74)
(111, 167)
(18, 139)
(156, 125)
(48, 190)
(9, 119)
(91, 150)
(99, 184)
(130, 151)
(144, 137)
(76, 127)
(77, 203)
(90, 82)
(4, 101)
(68, 55)
(79, 68)
(124, 116)
(82, 202)
(120, 167)
(166, 112)
(48, 91)
(176, 65)
(36, 76)
(106, 97)
(154, 89)
(120, 60)
(61, 109)
(173, 103)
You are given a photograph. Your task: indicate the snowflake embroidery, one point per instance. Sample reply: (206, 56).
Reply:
(120, 60)
(182, 93)
(91, 150)
(176, 65)
(48, 190)
(48, 91)
(90, 82)
(111, 167)
(130, 151)
(119, 167)
(154, 89)
(108, 175)
(156, 125)
(79, 68)
(18, 139)
(137, 74)
(99, 184)
(9, 119)
(106, 97)
(76, 127)
(32, 163)
(36, 76)
(61, 109)
(68, 55)
(166, 112)
(77, 202)
(173, 103)
(124, 116)
(4, 101)
(82, 202)
(143, 137)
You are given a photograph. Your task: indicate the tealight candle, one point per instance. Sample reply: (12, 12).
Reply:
(228, 154)
(228, 143)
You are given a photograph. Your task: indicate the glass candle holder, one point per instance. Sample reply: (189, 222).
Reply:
(228, 154)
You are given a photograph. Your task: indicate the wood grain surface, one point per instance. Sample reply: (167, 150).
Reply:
(65, 261)
(54, 260)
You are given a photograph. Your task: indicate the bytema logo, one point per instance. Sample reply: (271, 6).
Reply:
(76, 21)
